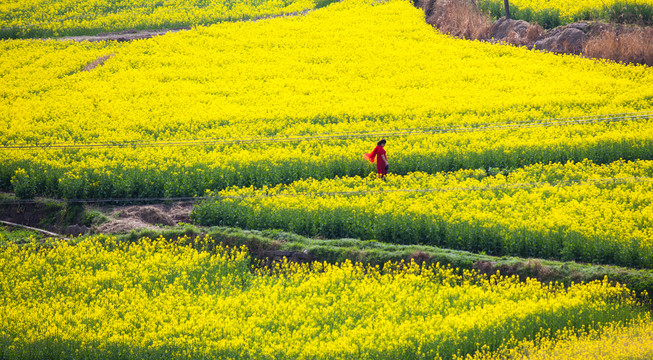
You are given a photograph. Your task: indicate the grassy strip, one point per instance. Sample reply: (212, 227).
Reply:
(265, 243)
(18, 235)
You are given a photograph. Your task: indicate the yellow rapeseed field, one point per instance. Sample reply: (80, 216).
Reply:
(550, 211)
(355, 66)
(29, 18)
(154, 299)
(610, 343)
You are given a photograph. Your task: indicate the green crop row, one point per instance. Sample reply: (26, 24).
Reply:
(100, 298)
(553, 13)
(548, 211)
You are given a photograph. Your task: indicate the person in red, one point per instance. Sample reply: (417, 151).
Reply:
(381, 159)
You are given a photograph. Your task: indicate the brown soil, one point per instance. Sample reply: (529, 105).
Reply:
(98, 62)
(127, 218)
(37, 215)
(58, 218)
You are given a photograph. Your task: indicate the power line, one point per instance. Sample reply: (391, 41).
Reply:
(508, 186)
(560, 183)
(349, 135)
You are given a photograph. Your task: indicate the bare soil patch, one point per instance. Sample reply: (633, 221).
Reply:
(131, 35)
(97, 62)
(127, 218)
(77, 219)
(122, 36)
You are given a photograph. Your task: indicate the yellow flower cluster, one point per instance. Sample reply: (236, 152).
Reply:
(155, 299)
(355, 66)
(610, 343)
(26, 19)
(549, 211)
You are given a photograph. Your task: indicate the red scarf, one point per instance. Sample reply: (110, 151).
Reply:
(378, 151)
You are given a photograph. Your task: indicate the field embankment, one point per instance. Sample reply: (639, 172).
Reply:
(267, 247)
(577, 211)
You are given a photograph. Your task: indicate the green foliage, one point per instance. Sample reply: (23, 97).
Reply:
(18, 235)
(626, 12)
(631, 13)
(22, 185)
(323, 3)
(94, 218)
(374, 252)
(548, 19)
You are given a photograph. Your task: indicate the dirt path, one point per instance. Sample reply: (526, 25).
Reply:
(130, 35)
(53, 218)
(126, 218)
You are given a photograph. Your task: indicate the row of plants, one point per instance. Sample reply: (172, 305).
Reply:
(553, 13)
(310, 76)
(40, 19)
(168, 171)
(101, 298)
(264, 245)
(611, 343)
(557, 211)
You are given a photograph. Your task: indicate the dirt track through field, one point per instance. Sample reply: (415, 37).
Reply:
(130, 35)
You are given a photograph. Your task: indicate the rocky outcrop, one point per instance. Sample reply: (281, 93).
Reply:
(569, 39)
(506, 28)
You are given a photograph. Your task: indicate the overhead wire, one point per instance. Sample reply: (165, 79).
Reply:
(464, 128)
(347, 135)
(507, 186)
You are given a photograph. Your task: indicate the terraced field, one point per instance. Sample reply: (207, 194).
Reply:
(154, 299)
(493, 149)
(287, 99)
(580, 211)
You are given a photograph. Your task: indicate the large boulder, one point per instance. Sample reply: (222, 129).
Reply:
(570, 40)
(504, 28)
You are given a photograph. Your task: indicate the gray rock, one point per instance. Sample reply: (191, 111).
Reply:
(74, 230)
(545, 44)
(571, 40)
(503, 27)
(582, 26)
